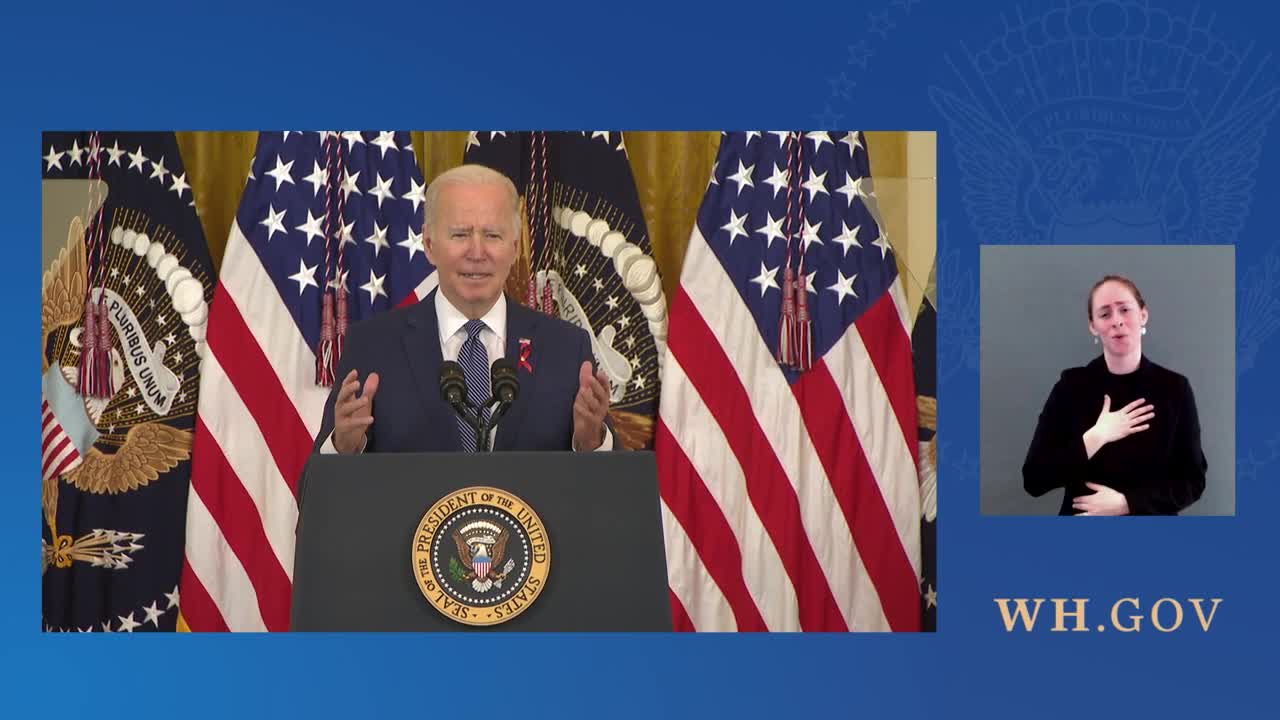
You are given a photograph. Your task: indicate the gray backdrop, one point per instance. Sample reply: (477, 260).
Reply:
(1033, 326)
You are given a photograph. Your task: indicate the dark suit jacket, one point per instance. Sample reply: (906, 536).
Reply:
(409, 415)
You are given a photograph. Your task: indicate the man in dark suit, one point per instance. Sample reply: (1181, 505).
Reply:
(472, 225)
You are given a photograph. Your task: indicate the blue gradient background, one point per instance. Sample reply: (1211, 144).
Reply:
(867, 65)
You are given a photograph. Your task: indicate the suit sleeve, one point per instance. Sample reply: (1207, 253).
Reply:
(1187, 467)
(346, 363)
(1057, 454)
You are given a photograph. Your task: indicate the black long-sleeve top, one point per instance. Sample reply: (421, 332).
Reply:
(1160, 470)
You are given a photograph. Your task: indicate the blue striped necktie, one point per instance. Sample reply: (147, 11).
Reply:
(474, 360)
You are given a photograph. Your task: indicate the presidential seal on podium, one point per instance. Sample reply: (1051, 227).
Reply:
(480, 556)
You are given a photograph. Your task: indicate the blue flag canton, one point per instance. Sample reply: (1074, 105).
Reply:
(282, 213)
(848, 264)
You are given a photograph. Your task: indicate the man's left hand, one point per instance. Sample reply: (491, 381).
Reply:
(589, 409)
(1103, 501)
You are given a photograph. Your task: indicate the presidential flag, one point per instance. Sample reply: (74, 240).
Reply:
(329, 231)
(124, 304)
(585, 256)
(786, 438)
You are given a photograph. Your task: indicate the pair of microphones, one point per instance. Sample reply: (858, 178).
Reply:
(506, 386)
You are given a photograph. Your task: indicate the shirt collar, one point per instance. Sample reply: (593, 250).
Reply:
(450, 319)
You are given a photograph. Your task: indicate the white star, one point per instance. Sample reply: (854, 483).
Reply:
(808, 282)
(281, 172)
(382, 189)
(416, 193)
(127, 623)
(852, 188)
(158, 170)
(818, 138)
(852, 140)
(352, 137)
(374, 286)
(413, 244)
(318, 178)
(339, 281)
(305, 276)
(172, 598)
(113, 153)
(132, 391)
(286, 135)
(816, 184)
(778, 180)
(274, 222)
(931, 597)
(115, 273)
(136, 160)
(386, 141)
(106, 626)
(743, 176)
(848, 238)
(882, 242)
(766, 279)
(495, 134)
(580, 270)
(180, 184)
(473, 138)
(349, 184)
(751, 134)
(630, 341)
(772, 230)
(345, 237)
(612, 302)
(597, 284)
(137, 410)
(783, 136)
(176, 357)
(600, 133)
(624, 321)
(378, 239)
(75, 152)
(182, 396)
(312, 227)
(251, 175)
(139, 291)
(54, 160)
(810, 234)
(153, 615)
(170, 339)
(639, 382)
(161, 320)
(622, 145)
(734, 226)
(127, 279)
(844, 286)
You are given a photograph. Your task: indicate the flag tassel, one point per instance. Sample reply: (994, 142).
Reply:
(88, 350)
(340, 335)
(804, 329)
(787, 325)
(102, 361)
(324, 352)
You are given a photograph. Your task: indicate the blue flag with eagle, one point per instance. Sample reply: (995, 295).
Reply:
(586, 257)
(126, 282)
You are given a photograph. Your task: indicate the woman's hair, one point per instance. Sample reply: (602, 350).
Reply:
(1137, 294)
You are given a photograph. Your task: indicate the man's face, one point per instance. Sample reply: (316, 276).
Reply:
(472, 244)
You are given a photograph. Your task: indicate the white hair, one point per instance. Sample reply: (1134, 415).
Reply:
(469, 175)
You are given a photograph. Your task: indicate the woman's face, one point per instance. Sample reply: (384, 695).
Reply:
(1117, 320)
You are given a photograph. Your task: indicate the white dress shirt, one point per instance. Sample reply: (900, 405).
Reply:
(452, 326)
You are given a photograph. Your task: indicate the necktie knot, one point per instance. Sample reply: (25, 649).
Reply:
(473, 328)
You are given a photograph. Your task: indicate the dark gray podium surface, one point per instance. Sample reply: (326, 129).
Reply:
(358, 517)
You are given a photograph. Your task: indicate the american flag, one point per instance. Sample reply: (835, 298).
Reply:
(790, 497)
(260, 405)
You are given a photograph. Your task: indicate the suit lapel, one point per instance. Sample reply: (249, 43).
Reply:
(422, 346)
(522, 323)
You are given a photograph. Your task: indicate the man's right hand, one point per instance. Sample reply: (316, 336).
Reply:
(353, 415)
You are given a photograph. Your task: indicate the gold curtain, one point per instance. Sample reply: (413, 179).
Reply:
(671, 171)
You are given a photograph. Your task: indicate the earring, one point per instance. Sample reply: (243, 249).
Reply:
(1095, 339)
(1144, 329)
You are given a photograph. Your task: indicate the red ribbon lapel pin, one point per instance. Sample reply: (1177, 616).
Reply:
(526, 349)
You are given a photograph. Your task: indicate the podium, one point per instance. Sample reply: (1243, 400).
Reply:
(359, 518)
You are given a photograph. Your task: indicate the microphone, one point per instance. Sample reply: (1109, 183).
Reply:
(453, 384)
(506, 384)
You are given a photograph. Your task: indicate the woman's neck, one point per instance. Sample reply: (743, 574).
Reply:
(1123, 364)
